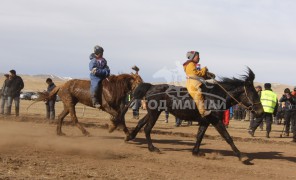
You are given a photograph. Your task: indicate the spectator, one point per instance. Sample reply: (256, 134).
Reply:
(135, 68)
(4, 93)
(135, 107)
(50, 103)
(226, 117)
(294, 91)
(252, 117)
(231, 112)
(14, 86)
(270, 104)
(293, 122)
(290, 102)
(178, 122)
(166, 116)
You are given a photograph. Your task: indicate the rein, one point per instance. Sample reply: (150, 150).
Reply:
(250, 108)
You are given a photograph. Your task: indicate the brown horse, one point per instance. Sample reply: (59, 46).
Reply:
(113, 91)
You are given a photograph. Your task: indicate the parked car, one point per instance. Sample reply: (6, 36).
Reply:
(34, 96)
(58, 98)
(26, 95)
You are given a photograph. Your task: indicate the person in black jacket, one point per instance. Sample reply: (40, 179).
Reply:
(290, 105)
(14, 86)
(4, 93)
(50, 103)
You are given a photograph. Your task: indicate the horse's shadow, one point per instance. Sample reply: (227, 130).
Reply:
(270, 155)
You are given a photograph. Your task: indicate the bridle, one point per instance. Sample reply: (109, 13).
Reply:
(250, 108)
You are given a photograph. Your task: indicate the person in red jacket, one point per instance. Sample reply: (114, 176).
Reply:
(294, 91)
(226, 117)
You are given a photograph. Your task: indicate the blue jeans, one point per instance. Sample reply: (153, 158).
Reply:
(178, 121)
(50, 109)
(136, 106)
(3, 101)
(16, 103)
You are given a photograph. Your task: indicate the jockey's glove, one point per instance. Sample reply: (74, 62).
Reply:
(211, 75)
(94, 70)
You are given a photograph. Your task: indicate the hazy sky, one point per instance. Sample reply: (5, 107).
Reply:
(57, 36)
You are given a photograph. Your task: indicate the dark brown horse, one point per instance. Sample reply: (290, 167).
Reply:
(112, 91)
(177, 102)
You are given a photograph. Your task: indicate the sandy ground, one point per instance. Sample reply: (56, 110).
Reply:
(30, 149)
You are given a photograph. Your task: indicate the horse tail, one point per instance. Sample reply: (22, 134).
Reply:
(43, 96)
(141, 90)
(139, 93)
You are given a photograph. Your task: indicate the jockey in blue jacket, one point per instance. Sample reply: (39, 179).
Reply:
(98, 71)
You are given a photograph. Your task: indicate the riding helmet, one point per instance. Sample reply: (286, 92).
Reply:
(190, 55)
(98, 50)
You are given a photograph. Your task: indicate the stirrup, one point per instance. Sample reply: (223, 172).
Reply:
(206, 113)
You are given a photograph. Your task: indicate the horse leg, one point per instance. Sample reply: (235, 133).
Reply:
(125, 129)
(224, 133)
(60, 121)
(75, 120)
(200, 134)
(151, 122)
(139, 126)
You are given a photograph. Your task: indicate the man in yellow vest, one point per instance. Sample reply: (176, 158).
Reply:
(270, 104)
(193, 73)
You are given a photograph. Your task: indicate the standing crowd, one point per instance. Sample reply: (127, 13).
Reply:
(10, 92)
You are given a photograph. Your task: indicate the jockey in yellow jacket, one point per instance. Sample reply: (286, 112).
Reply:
(193, 72)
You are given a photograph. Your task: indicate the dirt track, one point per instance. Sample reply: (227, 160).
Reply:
(30, 149)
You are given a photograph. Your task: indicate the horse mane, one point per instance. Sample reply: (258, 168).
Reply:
(231, 83)
(118, 85)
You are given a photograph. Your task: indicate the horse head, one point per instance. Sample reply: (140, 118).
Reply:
(244, 93)
(249, 96)
(135, 81)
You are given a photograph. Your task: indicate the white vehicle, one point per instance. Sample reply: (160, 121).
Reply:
(34, 96)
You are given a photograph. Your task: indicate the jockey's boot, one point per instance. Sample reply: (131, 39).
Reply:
(96, 104)
(201, 109)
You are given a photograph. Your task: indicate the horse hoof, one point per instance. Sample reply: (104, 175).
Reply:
(154, 149)
(198, 154)
(112, 128)
(87, 134)
(243, 157)
(61, 134)
(127, 138)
